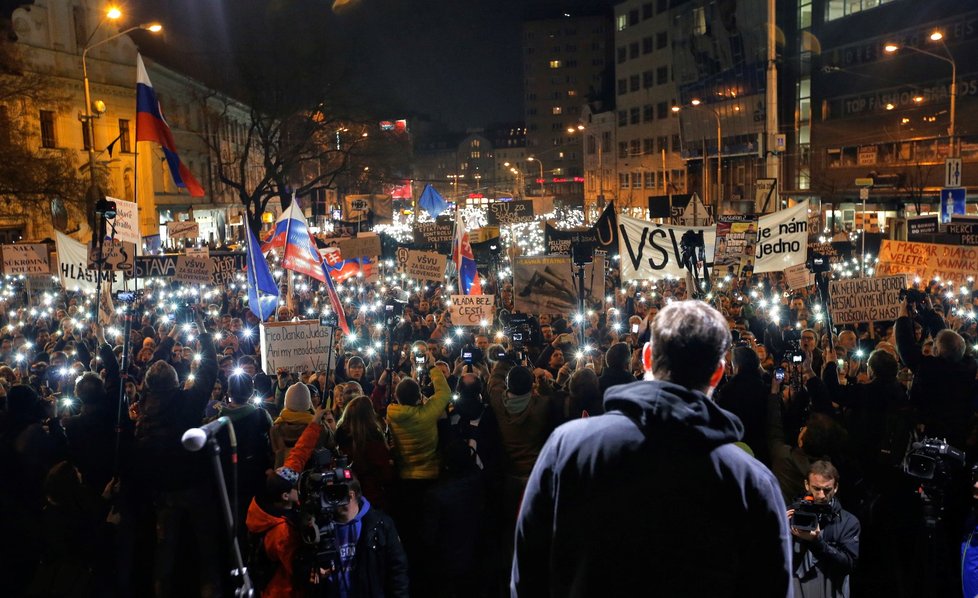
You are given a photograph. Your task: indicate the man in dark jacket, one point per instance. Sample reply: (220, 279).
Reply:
(638, 495)
(943, 383)
(825, 556)
(745, 395)
(617, 366)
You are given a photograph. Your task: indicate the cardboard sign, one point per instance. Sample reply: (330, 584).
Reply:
(927, 260)
(782, 239)
(26, 258)
(188, 229)
(798, 277)
(295, 346)
(364, 245)
(126, 221)
(117, 256)
(472, 310)
(429, 233)
(73, 267)
(422, 265)
(652, 251)
(193, 270)
(501, 213)
(548, 284)
(856, 300)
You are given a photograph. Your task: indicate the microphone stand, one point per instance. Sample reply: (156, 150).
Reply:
(246, 590)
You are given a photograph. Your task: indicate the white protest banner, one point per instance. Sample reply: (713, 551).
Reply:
(652, 251)
(472, 310)
(295, 346)
(126, 223)
(422, 265)
(197, 252)
(187, 229)
(73, 266)
(782, 239)
(194, 270)
(26, 258)
(856, 300)
(798, 277)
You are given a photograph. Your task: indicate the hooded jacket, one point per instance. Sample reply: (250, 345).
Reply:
(637, 498)
(415, 430)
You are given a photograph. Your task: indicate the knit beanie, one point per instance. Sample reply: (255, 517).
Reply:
(519, 380)
(298, 398)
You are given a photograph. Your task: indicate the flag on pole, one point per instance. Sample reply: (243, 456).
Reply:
(468, 274)
(151, 126)
(432, 201)
(334, 300)
(263, 291)
(300, 253)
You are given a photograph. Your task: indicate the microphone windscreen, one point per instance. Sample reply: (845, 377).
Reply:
(194, 439)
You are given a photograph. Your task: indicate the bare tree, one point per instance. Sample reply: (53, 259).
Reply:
(915, 179)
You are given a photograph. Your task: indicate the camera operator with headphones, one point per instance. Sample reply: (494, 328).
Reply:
(825, 538)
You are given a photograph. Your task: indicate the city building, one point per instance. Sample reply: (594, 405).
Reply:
(567, 62)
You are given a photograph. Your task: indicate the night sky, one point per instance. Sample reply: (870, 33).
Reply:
(457, 61)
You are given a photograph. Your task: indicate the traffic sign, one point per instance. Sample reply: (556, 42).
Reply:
(952, 202)
(952, 172)
(864, 193)
(865, 182)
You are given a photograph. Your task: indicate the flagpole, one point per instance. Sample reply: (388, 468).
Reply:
(254, 271)
(285, 252)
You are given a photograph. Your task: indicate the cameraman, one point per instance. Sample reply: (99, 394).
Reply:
(943, 384)
(823, 557)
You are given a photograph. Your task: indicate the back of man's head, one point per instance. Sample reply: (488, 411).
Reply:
(618, 357)
(882, 365)
(583, 384)
(949, 346)
(89, 389)
(689, 339)
(408, 392)
(161, 377)
(745, 360)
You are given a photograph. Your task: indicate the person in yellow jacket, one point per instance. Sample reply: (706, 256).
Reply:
(414, 426)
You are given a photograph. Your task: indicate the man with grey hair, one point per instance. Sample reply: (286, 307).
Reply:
(944, 382)
(639, 494)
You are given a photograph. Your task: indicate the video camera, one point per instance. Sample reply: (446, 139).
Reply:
(810, 515)
(915, 296)
(471, 354)
(932, 459)
(818, 263)
(322, 488)
(394, 303)
(521, 329)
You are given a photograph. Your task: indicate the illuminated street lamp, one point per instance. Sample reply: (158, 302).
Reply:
(937, 36)
(697, 104)
(540, 164)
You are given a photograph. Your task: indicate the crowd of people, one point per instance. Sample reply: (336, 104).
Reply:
(435, 431)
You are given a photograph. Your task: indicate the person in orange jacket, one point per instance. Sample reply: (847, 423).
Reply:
(268, 515)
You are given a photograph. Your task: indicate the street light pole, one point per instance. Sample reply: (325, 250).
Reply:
(697, 104)
(540, 164)
(937, 36)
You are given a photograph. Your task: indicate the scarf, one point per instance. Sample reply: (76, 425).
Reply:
(287, 416)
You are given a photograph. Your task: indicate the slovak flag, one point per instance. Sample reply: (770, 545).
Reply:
(151, 126)
(292, 234)
(468, 274)
(334, 300)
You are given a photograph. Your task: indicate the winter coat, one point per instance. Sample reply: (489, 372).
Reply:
(822, 567)
(372, 465)
(285, 432)
(415, 432)
(624, 504)
(380, 566)
(942, 390)
(280, 538)
(522, 433)
(745, 395)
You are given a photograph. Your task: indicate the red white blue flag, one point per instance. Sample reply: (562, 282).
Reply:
(334, 300)
(468, 274)
(292, 235)
(151, 126)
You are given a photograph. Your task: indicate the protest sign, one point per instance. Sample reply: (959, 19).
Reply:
(363, 245)
(295, 346)
(422, 265)
(73, 267)
(188, 229)
(963, 229)
(798, 277)
(927, 260)
(509, 212)
(856, 300)
(782, 239)
(481, 235)
(26, 258)
(429, 233)
(559, 241)
(734, 253)
(652, 251)
(225, 265)
(472, 310)
(548, 284)
(193, 270)
(197, 252)
(126, 223)
(116, 256)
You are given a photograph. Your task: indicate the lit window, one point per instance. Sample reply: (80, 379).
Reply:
(557, 110)
(556, 64)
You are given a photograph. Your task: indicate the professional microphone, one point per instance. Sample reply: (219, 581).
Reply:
(194, 439)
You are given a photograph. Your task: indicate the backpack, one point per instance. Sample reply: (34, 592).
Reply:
(261, 569)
